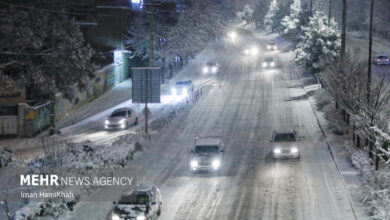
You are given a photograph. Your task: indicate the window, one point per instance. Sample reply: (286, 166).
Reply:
(284, 137)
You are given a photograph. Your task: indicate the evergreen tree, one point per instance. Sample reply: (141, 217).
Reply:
(291, 21)
(273, 8)
(320, 43)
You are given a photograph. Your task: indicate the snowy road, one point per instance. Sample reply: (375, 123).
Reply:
(249, 105)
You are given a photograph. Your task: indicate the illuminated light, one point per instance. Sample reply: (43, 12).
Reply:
(265, 65)
(294, 150)
(272, 64)
(135, 1)
(277, 151)
(205, 69)
(194, 164)
(173, 91)
(214, 69)
(254, 51)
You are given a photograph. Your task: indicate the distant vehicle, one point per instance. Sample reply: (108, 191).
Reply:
(211, 67)
(182, 88)
(271, 46)
(144, 203)
(268, 62)
(250, 51)
(207, 154)
(382, 60)
(285, 144)
(121, 119)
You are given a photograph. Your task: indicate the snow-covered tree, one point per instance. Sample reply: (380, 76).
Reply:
(35, 44)
(200, 24)
(246, 14)
(273, 8)
(259, 13)
(369, 112)
(320, 43)
(291, 21)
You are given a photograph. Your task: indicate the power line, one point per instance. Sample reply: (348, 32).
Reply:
(63, 12)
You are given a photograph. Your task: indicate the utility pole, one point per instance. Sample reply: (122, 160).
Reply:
(343, 35)
(54, 80)
(370, 153)
(330, 12)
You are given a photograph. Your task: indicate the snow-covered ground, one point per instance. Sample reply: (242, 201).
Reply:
(248, 106)
(243, 105)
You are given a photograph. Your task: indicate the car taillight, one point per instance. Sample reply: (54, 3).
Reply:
(378, 60)
(387, 60)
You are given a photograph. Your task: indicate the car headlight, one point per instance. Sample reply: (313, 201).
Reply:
(205, 69)
(194, 163)
(107, 122)
(122, 121)
(275, 47)
(268, 47)
(246, 51)
(277, 151)
(294, 150)
(264, 64)
(185, 91)
(254, 51)
(216, 163)
(141, 217)
(115, 217)
(214, 69)
(272, 64)
(173, 90)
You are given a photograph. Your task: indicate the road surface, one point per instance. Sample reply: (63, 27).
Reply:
(244, 108)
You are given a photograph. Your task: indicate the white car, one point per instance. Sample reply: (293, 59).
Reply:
(183, 88)
(144, 203)
(207, 154)
(268, 62)
(382, 60)
(121, 119)
(271, 46)
(211, 67)
(285, 144)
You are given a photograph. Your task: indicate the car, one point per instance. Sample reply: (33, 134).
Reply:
(250, 51)
(268, 62)
(121, 119)
(382, 60)
(285, 144)
(207, 154)
(211, 67)
(182, 88)
(144, 203)
(271, 46)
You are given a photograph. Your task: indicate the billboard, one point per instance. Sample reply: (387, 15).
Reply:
(146, 85)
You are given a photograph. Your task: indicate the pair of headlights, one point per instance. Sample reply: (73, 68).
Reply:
(270, 47)
(116, 217)
(265, 64)
(174, 91)
(213, 69)
(292, 150)
(107, 122)
(216, 163)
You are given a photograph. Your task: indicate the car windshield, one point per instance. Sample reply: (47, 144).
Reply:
(211, 64)
(271, 44)
(268, 59)
(206, 149)
(382, 57)
(284, 137)
(134, 199)
(118, 114)
(182, 83)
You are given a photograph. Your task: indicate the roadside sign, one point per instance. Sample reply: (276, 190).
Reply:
(146, 86)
